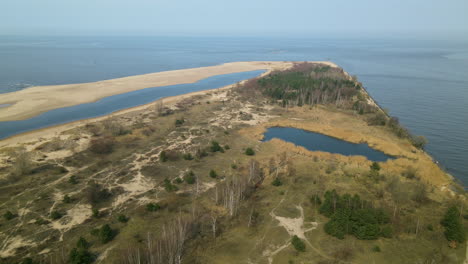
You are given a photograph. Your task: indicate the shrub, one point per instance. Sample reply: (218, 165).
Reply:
(179, 122)
(430, 227)
(227, 147)
(215, 146)
(178, 180)
(188, 156)
(298, 244)
(213, 174)
(276, 182)
(80, 256)
(73, 180)
(8, 215)
(103, 145)
(375, 166)
(201, 153)
(249, 152)
(153, 207)
(82, 243)
(169, 187)
(54, 215)
(454, 230)
(122, 218)
(163, 156)
(96, 213)
(410, 173)
(377, 119)
(67, 199)
(189, 177)
(233, 166)
(106, 234)
(419, 141)
(376, 249)
(96, 194)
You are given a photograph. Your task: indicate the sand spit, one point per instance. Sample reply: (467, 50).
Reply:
(38, 99)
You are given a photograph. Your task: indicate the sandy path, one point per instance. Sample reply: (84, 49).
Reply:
(38, 99)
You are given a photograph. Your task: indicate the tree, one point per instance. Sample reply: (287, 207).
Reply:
(298, 244)
(454, 230)
(189, 177)
(249, 152)
(80, 256)
(106, 234)
(213, 174)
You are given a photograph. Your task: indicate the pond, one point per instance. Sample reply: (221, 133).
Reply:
(319, 142)
(114, 103)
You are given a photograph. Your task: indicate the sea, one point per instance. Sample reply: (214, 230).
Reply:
(422, 82)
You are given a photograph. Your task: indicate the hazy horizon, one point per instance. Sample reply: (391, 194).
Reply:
(300, 18)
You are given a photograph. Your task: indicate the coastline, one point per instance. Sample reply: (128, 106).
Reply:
(54, 131)
(35, 100)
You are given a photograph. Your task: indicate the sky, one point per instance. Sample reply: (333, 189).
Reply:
(234, 18)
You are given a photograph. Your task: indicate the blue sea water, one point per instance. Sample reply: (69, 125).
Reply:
(424, 83)
(318, 142)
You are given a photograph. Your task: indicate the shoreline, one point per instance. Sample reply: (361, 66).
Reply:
(55, 130)
(35, 100)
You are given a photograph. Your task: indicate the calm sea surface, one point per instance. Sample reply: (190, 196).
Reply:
(423, 83)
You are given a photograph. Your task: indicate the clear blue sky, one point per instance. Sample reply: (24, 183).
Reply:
(236, 17)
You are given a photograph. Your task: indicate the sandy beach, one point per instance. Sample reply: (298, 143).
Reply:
(35, 100)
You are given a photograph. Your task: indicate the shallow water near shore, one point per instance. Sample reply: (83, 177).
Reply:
(422, 82)
(318, 142)
(114, 103)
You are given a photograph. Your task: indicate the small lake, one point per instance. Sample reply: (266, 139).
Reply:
(114, 103)
(318, 142)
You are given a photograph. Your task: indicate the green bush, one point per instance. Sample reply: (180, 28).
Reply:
(213, 174)
(169, 187)
(82, 243)
(122, 218)
(227, 147)
(187, 156)
(454, 230)
(73, 180)
(153, 207)
(189, 177)
(80, 256)
(96, 213)
(8, 215)
(249, 152)
(179, 122)
(54, 215)
(418, 141)
(375, 166)
(276, 182)
(298, 244)
(106, 234)
(215, 146)
(376, 249)
(67, 199)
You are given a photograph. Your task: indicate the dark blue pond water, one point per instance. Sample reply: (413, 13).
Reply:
(117, 102)
(318, 142)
